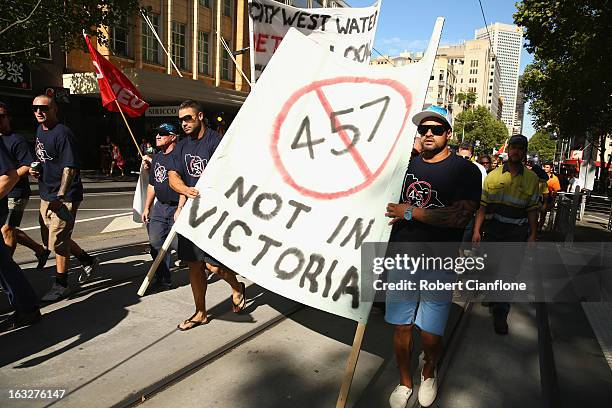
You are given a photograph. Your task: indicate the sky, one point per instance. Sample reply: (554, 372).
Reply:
(407, 25)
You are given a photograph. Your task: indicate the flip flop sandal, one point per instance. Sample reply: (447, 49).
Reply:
(193, 323)
(237, 308)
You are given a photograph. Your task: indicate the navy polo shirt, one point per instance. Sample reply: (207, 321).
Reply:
(190, 156)
(158, 178)
(56, 150)
(6, 164)
(19, 152)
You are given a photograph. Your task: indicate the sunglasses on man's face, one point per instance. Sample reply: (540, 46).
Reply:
(484, 163)
(43, 108)
(186, 118)
(436, 130)
(164, 133)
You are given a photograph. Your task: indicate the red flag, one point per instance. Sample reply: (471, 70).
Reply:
(115, 86)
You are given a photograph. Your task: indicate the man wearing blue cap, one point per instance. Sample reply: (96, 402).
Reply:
(439, 197)
(159, 217)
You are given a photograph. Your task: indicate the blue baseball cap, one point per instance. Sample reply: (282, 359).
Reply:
(167, 127)
(433, 111)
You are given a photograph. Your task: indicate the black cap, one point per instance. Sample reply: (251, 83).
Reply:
(518, 139)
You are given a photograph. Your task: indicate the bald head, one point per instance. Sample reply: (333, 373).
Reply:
(45, 110)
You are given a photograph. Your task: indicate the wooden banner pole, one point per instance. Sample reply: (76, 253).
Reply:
(350, 366)
(129, 129)
(160, 256)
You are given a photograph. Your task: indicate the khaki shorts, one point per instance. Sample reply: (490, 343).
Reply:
(59, 224)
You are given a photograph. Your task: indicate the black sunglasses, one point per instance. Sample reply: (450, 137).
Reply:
(165, 133)
(43, 108)
(485, 162)
(436, 130)
(186, 118)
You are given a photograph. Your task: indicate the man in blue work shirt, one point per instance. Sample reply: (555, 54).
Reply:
(159, 216)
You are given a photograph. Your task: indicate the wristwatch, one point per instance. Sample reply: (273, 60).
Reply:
(408, 213)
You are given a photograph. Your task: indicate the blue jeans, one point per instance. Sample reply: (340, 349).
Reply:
(161, 221)
(19, 291)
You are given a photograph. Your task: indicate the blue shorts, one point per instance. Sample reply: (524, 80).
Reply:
(431, 316)
(428, 310)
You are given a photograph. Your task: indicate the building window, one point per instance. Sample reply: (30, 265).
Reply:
(227, 8)
(179, 54)
(150, 46)
(203, 53)
(205, 3)
(120, 37)
(226, 65)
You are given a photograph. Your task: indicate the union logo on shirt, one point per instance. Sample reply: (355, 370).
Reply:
(41, 153)
(419, 193)
(160, 173)
(195, 165)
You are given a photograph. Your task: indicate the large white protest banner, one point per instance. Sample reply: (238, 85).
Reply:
(303, 175)
(347, 30)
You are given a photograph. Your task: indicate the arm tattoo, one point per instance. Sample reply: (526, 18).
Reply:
(456, 216)
(67, 177)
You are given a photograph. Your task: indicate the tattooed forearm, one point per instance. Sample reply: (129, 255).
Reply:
(456, 216)
(67, 177)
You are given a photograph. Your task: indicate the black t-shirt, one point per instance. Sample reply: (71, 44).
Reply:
(436, 185)
(56, 150)
(6, 164)
(19, 152)
(158, 178)
(190, 156)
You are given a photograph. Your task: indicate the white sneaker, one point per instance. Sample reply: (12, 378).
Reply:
(428, 389)
(400, 396)
(88, 270)
(56, 292)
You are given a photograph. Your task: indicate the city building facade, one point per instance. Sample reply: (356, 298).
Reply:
(506, 42)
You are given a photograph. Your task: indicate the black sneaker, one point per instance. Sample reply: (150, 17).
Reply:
(23, 319)
(43, 257)
(500, 323)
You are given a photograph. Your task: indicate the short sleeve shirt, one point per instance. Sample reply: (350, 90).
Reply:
(190, 156)
(436, 185)
(19, 152)
(553, 183)
(56, 149)
(6, 164)
(158, 178)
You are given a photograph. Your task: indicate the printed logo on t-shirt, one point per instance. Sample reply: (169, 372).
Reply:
(419, 193)
(195, 165)
(160, 173)
(41, 153)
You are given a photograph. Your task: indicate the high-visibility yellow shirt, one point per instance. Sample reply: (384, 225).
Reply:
(508, 199)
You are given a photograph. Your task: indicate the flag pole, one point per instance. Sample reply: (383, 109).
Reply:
(350, 366)
(129, 129)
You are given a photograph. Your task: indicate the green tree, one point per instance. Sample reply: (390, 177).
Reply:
(480, 127)
(466, 99)
(28, 27)
(569, 80)
(542, 144)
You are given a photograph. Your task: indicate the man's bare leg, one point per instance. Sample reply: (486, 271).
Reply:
(8, 234)
(432, 346)
(230, 277)
(197, 279)
(402, 344)
(25, 240)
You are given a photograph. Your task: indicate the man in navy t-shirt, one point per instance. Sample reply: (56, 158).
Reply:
(19, 152)
(159, 217)
(440, 194)
(61, 193)
(19, 291)
(190, 157)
